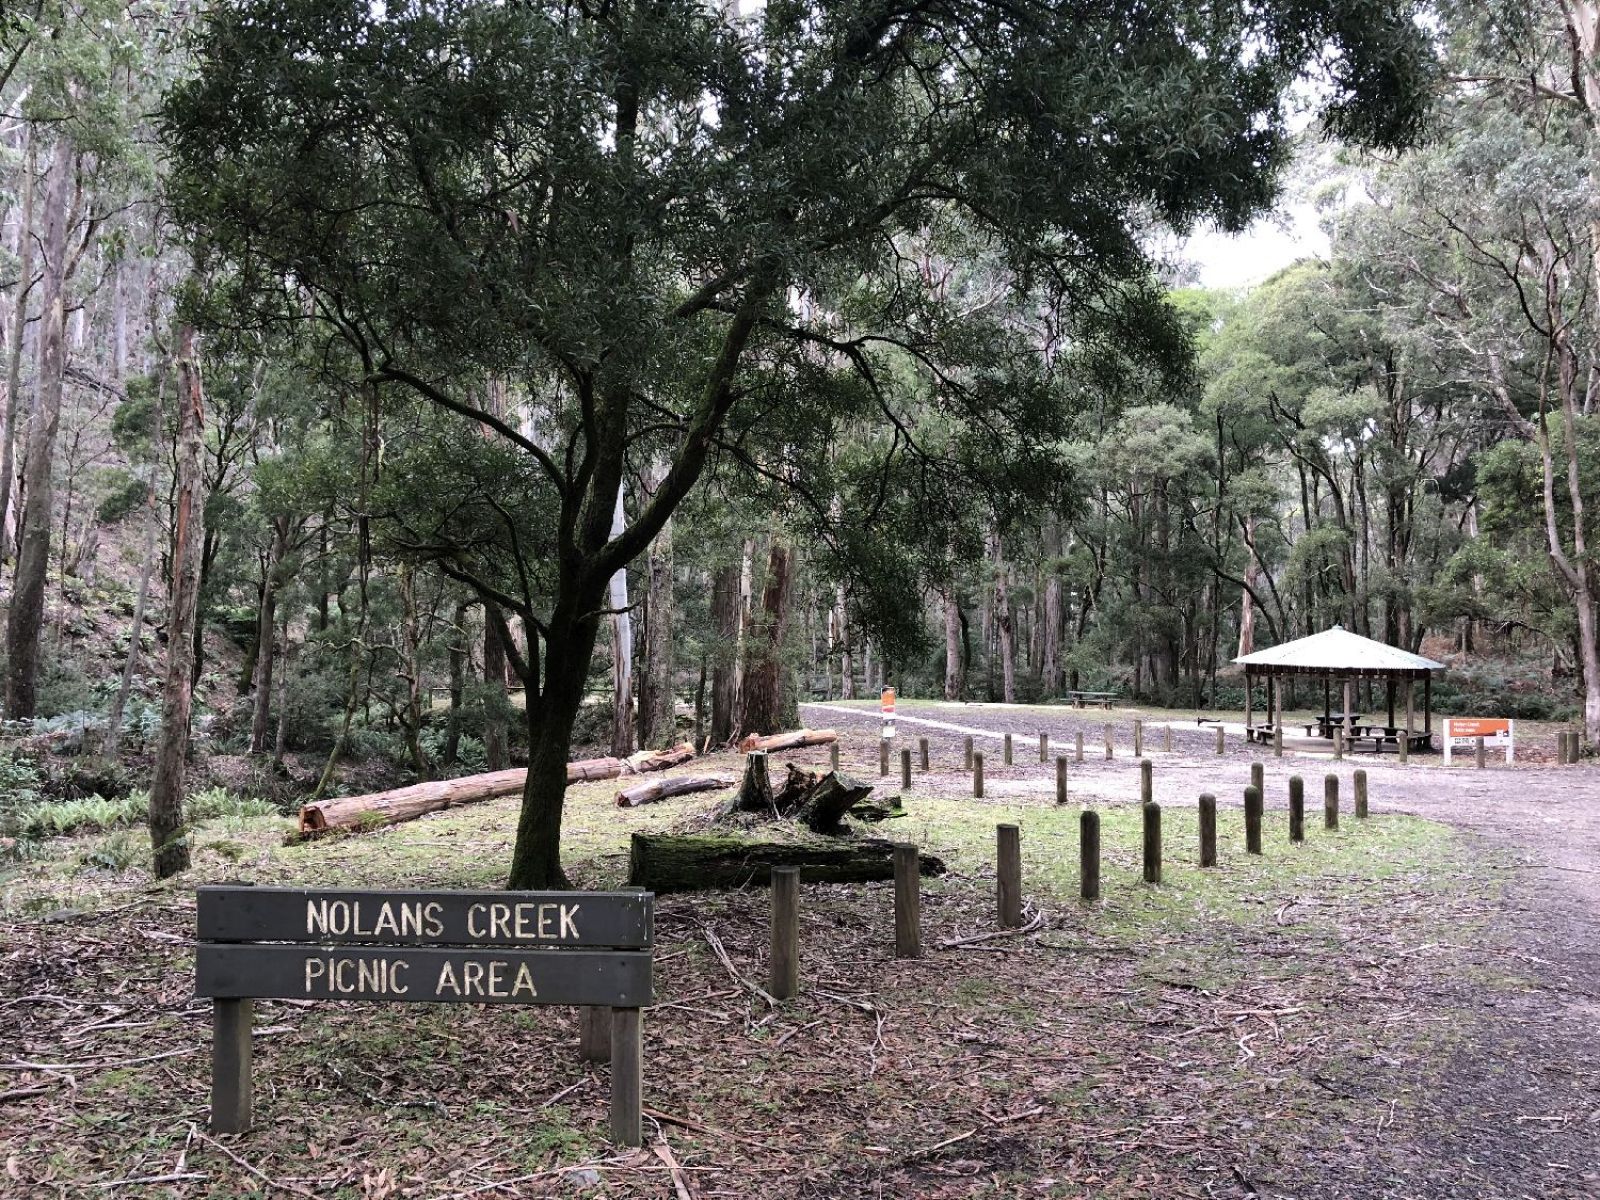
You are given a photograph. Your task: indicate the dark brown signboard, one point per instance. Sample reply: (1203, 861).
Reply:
(533, 920)
(583, 948)
(426, 975)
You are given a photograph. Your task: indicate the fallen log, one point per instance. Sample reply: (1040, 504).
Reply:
(660, 789)
(699, 862)
(376, 809)
(788, 741)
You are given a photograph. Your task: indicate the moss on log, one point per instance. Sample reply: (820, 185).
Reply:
(702, 862)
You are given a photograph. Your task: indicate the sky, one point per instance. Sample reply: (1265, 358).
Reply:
(1241, 260)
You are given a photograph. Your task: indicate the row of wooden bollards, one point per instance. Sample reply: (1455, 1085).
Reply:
(784, 959)
(972, 759)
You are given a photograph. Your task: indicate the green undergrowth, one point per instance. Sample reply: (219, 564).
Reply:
(91, 814)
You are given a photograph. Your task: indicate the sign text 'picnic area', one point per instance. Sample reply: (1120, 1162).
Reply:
(447, 947)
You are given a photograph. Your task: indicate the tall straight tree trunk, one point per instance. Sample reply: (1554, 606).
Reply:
(280, 739)
(458, 684)
(496, 749)
(119, 702)
(747, 557)
(1247, 607)
(266, 625)
(847, 667)
(33, 558)
(724, 669)
(411, 670)
(657, 717)
(1050, 668)
(19, 330)
(622, 743)
(170, 846)
(954, 656)
(1002, 620)
(766, 699)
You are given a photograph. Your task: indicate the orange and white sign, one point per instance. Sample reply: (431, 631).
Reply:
(888, 712)
(1465, 731)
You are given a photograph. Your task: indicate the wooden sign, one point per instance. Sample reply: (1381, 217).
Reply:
(618, 920)
(578, 948)
(1465, 731)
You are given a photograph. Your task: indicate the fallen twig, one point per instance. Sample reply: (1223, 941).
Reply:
(715, 943)
(1031, 926)
(680, 1181)
(195, 1132)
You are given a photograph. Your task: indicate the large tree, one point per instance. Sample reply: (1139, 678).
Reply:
(681, 233)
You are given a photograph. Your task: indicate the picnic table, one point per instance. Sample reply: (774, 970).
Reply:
(1081, 699)
(1384, 737)
(1325, 725)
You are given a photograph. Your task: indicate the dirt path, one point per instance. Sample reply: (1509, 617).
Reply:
(1513, 1107)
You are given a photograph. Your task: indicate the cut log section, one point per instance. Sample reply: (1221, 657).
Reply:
(376, 809)
(660, 789)
(697, 862)
(788, 741)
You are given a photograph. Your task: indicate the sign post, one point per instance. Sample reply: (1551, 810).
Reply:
(888, 713)
(1464, 731)
(571, 948)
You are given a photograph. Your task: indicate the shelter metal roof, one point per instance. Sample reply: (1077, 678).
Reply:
(1337, 649)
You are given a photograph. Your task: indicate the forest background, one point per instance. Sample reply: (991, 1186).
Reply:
(206, 502)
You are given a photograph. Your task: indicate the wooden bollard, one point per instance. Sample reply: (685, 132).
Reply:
(1008, 874)
(1089, 854)
(977, 774)
(922, 749)
(1252, 820)
(1061, 779)
(1258, 777)
(966, 754)
(907, 902)
(1152, 842)
(883, 756)
(833, 756)
(1108, 743)
(1561, 747)
(1338, 744)
(1478, 759)
(905, 769)
(784, 963)
(1277, 741)
(627, 1075)
(1222, 739)
(232, 1085)
(1330, 802)
(1166, 739)
(1006, 752)
(1138, 737)
(1147, 779)
(1361, 794)
(1297, 809)
(1044, 746)
(1080, 745)
(1208, 830)
(1405, 747)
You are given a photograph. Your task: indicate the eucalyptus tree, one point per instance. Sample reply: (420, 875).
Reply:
(1487, 239)
(610, 205)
